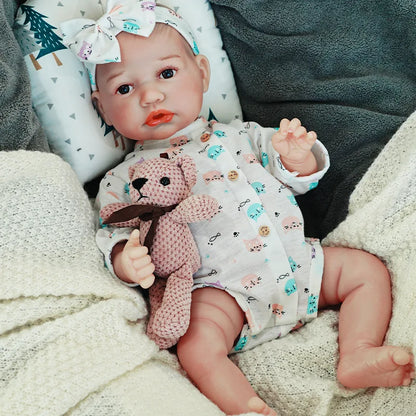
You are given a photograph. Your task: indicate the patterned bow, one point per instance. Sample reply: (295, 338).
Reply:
(95, 41)
(145, 213)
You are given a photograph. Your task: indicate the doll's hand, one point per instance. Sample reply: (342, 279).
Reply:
(135, 264)
(293, 143)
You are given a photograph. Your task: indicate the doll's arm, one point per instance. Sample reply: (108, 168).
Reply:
(131, 262)
(293, 142)
(195, 208)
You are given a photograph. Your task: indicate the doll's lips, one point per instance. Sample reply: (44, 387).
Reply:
(158, 117)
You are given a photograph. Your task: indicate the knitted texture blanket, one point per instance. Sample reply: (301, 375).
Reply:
(73, 340)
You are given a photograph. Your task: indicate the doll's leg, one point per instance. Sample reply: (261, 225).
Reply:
(361, 283)
(216, 321)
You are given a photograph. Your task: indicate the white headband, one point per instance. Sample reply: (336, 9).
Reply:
(95, 42)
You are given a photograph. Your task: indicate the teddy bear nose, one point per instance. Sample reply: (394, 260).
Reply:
(138, 183)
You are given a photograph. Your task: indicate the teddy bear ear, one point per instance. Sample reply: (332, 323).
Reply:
(132, 170)
(187, 164)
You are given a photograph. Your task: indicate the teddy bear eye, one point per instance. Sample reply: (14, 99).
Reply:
(165, 181)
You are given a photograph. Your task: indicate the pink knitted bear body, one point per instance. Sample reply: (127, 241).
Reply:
(154, 185)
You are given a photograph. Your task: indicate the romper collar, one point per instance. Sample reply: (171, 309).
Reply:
(192, 131)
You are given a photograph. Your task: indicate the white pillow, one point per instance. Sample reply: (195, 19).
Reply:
(61, 93)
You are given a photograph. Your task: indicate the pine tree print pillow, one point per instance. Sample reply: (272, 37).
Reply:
(61, 93)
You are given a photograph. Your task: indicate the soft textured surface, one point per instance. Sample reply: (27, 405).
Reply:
(345, 68)
(19, 126)
(72, 338)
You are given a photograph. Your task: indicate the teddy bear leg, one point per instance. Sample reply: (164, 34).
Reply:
(171, 320)
(163, 343)
(156, 292)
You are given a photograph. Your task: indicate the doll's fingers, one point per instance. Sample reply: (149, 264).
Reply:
(144, 271)
(146, 282)
(299, 132)
(279, 143)
(279, 136)
(140, 262)
(134, 240)
(284, 123)
(283, 128)
(311, 137)
(293, 125)
(136, 252)
(133, 246)
(142, 275)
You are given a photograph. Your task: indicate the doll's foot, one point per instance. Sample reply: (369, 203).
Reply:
(257, 405)
(384, 366)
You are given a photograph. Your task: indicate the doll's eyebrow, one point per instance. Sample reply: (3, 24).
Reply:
(112, 76)
(169, 57)
(165, 58)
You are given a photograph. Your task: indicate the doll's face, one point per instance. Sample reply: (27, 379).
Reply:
(156, 89)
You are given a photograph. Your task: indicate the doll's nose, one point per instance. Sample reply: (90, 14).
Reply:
(150, 94)
(138, 183)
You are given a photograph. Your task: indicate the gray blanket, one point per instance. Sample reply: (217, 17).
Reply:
(19, 126)
(345, 68)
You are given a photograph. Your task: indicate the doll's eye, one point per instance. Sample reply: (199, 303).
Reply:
(167, 73)
(124, 89)
(165, 181)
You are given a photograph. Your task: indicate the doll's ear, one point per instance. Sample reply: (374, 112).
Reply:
(203, 65)
(96, 99)
(187, 164)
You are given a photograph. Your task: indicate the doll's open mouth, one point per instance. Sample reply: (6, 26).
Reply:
(158, 117)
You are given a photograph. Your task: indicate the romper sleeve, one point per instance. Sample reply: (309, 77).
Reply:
(113, 188)
(261, 142)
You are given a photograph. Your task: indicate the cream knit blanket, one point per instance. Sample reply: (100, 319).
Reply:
(72, 339)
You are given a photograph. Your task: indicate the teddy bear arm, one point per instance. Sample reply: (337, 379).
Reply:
(195, 208)
(108, 212)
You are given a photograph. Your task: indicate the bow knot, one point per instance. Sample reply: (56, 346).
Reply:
(145, 213)
(95, 41)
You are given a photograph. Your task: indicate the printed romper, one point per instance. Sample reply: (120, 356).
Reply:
(254, 248)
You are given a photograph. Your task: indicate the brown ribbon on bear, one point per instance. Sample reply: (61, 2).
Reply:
(145, 213)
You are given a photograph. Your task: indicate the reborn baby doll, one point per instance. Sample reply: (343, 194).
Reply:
(260, 277)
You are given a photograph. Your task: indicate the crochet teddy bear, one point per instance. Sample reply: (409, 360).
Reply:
(161, 206)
